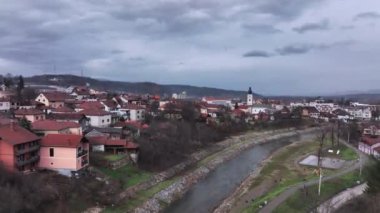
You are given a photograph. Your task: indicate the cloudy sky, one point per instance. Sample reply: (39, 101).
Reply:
(276, 46)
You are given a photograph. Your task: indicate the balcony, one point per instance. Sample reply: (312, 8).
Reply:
(28, 161)
(27, 149)
(81, 153)
(84, 162)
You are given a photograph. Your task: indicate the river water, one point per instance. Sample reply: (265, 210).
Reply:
(211, 191)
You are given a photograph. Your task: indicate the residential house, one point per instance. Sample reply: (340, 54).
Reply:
(79, 118)
(370, 145)
(110, 132)
(53, 99)
(256, 109)
(218, 101)
(310, 112)
(98, 118)
(361, 113)
(371, 130)
(19, 148)
(103, 144)
(5, 104)
(30, 114)
(342, 115)
(134, 112)
(64, 153)
(46, 127)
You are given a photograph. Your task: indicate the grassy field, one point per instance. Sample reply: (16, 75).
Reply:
(284, 171)
(302, 202)
(140, 198)
(128, 175)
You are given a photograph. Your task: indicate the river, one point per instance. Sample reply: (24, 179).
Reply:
(210, 192)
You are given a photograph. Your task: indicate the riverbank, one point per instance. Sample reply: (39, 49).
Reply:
(182, 184)
(275, 173)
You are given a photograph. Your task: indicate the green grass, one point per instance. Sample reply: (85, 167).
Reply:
(346, 153)
(139, 199)
(129, 175)
(282, 166)
(300, 202)
(114, 157)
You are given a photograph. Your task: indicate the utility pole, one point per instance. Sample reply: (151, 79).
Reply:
(320, 162)
(338, 132)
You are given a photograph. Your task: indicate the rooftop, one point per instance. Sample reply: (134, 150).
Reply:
(62, 140)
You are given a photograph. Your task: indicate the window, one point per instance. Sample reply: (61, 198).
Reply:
(51, 152)
(102, 121)
(108, 120)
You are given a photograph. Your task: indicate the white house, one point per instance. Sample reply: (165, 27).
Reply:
(134, 112)
(364, 113)
(218, 101)
(258, 108)
(98, 118)
(5, 104)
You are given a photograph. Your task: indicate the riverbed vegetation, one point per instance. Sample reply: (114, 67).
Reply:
(305, 200)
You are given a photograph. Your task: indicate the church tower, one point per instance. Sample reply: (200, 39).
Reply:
(250, 97)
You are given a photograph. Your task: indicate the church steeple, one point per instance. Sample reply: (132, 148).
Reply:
(250, 97)
(250, 91)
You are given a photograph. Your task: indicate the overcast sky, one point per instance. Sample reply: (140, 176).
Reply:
(280, 47)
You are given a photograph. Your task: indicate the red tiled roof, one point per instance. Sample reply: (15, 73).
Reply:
(118, 142)
(66, 116)
(377, 149)
(63, 109)
(51, 125)
(131, 145)
(15, 134)
(94, 112)
(62, 140)
(370, 140)
(56, 96)
(28, 112)
(103, 140)
(95, 105)
(97, 140)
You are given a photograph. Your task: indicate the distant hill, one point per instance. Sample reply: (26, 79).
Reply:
(132, 87)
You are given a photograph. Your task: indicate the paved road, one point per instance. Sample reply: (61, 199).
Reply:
(290, 191)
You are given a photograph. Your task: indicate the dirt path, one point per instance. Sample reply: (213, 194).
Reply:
(287, 193)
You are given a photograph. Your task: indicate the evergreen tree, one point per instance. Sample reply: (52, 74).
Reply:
(25, 124)
(21, 84)
(372, 177)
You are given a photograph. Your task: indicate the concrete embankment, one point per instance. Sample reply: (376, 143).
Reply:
(184, 183)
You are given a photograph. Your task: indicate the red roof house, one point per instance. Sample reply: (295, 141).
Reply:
(19, 148)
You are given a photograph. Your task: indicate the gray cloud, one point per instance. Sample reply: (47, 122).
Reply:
(169, 41)
(319, 26)
(257, 53)
(367, 15)
(302, 48)
(261, 28)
